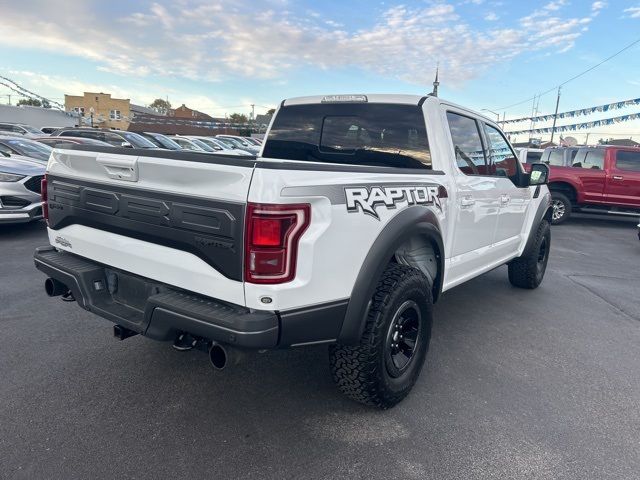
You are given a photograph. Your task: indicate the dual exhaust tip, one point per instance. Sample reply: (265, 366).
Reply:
(219, 355)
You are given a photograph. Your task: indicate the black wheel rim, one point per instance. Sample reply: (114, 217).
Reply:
(543, 254)
(402, 338)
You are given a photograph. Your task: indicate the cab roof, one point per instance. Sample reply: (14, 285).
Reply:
(378, 98)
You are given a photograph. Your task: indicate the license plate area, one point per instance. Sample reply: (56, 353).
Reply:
(130, 290)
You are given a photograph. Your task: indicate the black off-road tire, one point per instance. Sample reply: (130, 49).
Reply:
(527, 271)
(561, 208)
(367, 373)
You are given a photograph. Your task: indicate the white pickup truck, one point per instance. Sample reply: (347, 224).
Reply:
(358, 213)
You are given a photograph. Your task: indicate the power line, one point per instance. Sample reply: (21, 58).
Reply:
(572, 78)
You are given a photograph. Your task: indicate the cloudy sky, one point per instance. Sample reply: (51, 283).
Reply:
(222, 56)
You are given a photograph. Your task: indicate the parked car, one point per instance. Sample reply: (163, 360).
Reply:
(22, 129)
(115, 138)
(530, 155)
(20, 179)
(254, 141)
(217, 145)
(240, 143)
(49, 130)
(188, 144)
(559, 156)
(227, 145)
(344, 233)
(25, 146)
(604, 179)
(161, 141)
(62, 142)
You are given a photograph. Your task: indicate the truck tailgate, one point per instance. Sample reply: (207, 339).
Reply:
(177, 218)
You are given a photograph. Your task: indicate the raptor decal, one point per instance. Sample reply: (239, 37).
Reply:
(366, 199)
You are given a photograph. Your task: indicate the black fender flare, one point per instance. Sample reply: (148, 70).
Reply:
(410, 221)
(545, 209)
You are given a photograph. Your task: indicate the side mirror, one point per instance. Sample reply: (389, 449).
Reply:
(539, 174)
(126, 145)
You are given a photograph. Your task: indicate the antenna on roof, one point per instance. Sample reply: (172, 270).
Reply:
(436, 82)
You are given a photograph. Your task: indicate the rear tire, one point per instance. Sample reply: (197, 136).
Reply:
(561, 208)
(383, 368)
(527, 271)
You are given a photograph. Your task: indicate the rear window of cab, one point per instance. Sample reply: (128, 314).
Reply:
(373, 134)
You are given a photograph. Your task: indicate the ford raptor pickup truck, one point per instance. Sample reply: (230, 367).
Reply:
(357, 214)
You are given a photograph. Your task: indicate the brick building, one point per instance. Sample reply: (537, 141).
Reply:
(187, 113)
(100, 109)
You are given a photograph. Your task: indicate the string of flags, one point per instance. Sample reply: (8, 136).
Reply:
(579, 112)
(581, 126)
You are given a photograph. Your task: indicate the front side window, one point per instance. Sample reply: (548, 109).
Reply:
(373, 134)
(115, 115)
(627, 160)
(79, 110)
(502, 160)
(467, 144)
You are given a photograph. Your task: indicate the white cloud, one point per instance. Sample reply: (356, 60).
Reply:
(237, 38)
(491, 17)
(632, 12)
(595, 6)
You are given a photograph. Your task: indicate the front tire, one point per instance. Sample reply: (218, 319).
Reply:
(527, 271)
(383, 368)
(561, 208)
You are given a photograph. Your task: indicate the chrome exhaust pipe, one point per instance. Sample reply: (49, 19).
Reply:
(218, 356)
(55, 288)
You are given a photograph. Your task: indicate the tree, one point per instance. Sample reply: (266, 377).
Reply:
(161, 106)
(32, 102)
(271, 111)
(238, 118)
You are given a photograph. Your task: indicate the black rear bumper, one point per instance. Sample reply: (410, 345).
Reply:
(153, 309)
(159, 311)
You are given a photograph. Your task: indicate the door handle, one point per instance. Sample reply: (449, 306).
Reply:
(467, 201)
(504, 199)
(618, 177)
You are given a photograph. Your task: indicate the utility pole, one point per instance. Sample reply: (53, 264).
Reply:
(555, 116)
(533, 109)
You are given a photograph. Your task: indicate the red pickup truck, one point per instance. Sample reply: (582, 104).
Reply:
(603, 179)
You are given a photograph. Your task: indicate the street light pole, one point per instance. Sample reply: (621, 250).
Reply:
(495, 113)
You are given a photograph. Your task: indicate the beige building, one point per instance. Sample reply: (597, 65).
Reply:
(100, 109)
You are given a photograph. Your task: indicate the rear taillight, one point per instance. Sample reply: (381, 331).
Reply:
(44, 197)
(271, 242)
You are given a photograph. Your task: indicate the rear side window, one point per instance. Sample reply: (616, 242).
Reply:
(467, 144)
(626, 160)
(591, 159)
(372, 134)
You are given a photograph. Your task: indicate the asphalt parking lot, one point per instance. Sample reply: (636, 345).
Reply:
(518, 384)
